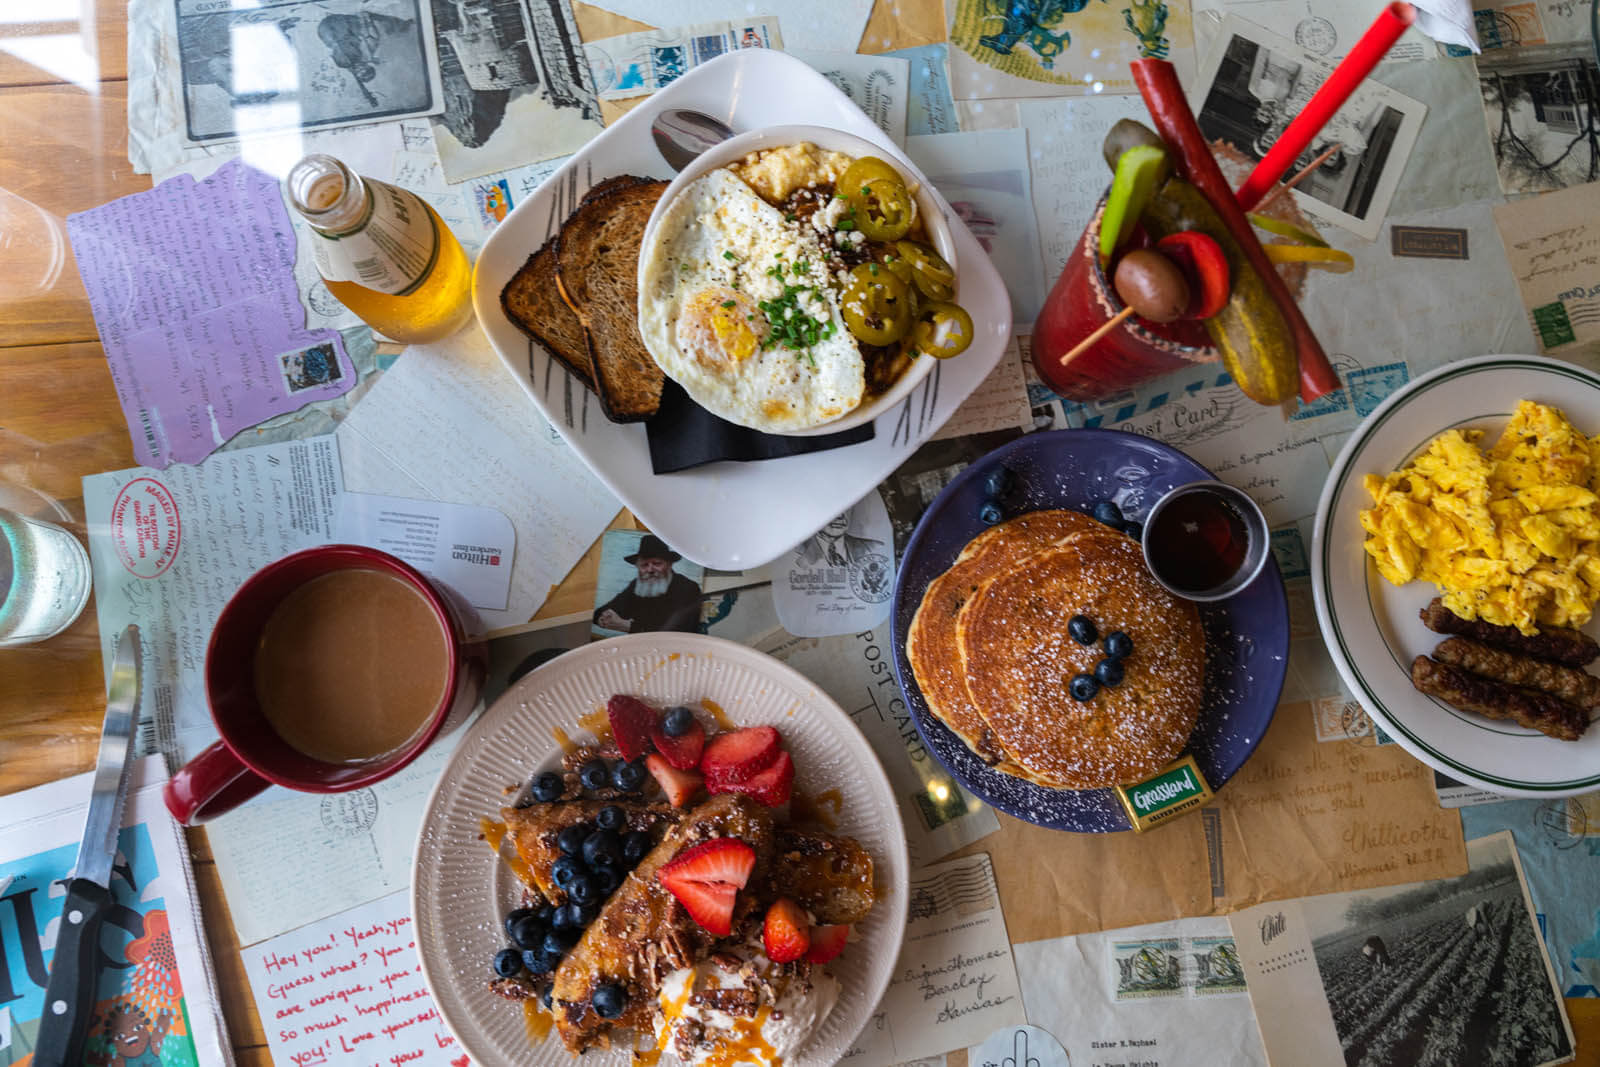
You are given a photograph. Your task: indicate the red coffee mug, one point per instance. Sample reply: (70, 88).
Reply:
(251, 756)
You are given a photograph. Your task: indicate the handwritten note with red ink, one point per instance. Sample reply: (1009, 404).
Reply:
(349, 990)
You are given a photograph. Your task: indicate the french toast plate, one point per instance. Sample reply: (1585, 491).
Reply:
(461, 890)
(726, 515)
(1372, 628)
(1247, 635)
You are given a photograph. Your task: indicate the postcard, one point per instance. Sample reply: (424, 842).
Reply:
(204, 333)
(1553, 244)
(637, 64)
(839, 579)
(304, 64)
(1167, 991)
(508, 70)
(1445, 970)
(1252, 85)
(1061, 48)
(1539, 104)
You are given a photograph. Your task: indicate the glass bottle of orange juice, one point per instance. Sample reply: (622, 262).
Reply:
(385, 254)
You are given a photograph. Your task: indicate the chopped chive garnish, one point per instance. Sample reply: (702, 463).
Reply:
(727, 303)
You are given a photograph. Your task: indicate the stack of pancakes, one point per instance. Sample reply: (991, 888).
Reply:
(991, 653)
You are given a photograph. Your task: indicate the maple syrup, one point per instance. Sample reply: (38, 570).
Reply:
(1197, 541)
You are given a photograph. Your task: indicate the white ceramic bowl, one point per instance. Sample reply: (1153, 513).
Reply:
(931, 208)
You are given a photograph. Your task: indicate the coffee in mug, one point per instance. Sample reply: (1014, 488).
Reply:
(351, 665)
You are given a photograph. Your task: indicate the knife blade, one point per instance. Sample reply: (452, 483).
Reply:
(69, 996)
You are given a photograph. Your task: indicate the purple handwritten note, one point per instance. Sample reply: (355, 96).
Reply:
(192, 286)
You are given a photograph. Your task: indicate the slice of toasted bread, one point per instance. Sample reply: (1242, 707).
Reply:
(597, 262)
(532, 301)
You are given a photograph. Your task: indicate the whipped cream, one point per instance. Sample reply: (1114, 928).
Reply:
(741, 1008)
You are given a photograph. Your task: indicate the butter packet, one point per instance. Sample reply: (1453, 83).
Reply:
(1177, 789)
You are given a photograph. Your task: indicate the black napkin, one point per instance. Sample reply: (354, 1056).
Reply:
(683, 435)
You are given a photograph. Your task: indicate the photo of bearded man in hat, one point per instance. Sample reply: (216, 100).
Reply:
(658, 598)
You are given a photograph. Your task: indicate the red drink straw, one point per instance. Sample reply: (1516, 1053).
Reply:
(1350, 72)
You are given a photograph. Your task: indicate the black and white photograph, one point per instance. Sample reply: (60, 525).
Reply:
(1542, 106)
(642, 585)
(1447, 972)
(1254, 84)
(913, 485)
(517, 85)
(308, 64)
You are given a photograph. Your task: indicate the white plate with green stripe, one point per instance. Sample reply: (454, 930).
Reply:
(1372, 628)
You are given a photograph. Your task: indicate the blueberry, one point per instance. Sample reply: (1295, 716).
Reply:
(1108, 672)
(595, 774)
(586, 914)
(545, 914)
(548, 786)
(679, 721)
(602, 847)
(565, 869)
(1083, 687)
(606, 879)
(566, 917)
(611, 817)
(1106, 511)
(570, 840)
(557, 942)
(990, 513)
(629, 777)
(609, 1000)
(1118, 645)
(1082, 630)
(999, 482)
(582, 889)
(516, 916)
(538, 961)
(549, 992)
(635, 846)
(1134, 530)
(528, 932)
(507, 962)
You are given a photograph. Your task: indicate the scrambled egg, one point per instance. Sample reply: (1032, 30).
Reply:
(1511, 536)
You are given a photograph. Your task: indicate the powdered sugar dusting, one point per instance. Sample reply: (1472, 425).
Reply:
(1074, 469)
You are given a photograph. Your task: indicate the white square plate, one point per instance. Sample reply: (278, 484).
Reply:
(730, 516)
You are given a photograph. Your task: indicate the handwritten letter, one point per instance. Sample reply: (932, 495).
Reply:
(349, 989)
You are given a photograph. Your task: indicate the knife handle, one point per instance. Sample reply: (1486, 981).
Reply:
(69, 996)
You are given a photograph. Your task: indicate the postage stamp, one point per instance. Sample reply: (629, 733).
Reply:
(1148, 968)
(317, 365)
(1217, 966)
(1371, 386)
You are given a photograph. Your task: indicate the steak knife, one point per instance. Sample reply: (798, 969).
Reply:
(69, 996)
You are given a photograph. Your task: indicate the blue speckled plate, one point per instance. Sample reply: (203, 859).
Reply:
(1247, 636)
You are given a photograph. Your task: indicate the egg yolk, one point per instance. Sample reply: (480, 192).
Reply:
(720, 326)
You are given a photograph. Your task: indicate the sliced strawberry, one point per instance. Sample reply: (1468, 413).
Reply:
(632, 723)
(683, 751)
(740, 754)
(707, 878)
(827, 942)
(786, 935)
(679, 786)
(770, 787)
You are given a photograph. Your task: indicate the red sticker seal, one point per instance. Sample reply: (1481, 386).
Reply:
(145, 527)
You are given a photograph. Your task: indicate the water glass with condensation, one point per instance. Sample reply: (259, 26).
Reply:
(44, 579)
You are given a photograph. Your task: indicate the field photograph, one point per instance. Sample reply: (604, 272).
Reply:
(1443, 973)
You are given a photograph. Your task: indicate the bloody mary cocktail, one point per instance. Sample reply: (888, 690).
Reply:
(1133, 353)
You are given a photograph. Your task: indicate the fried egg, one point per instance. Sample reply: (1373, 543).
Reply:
(736, 306)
